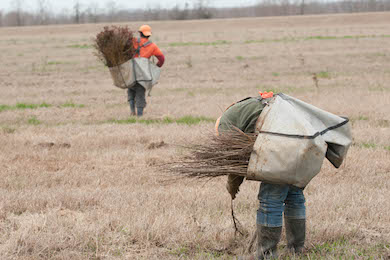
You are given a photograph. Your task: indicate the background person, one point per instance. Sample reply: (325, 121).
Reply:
(146, 49)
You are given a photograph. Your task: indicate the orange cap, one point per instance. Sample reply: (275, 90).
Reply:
(266, 94)
(146, 30)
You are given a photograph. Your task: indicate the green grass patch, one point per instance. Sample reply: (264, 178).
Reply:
(368, 145)
(190, 120)
(23, 106)
(362, 118)
(5, 107)
(79, 46)
(54, 62)
(254, 41)
(384, 123)
(26, 106)
(239, 58)
(343, 249)
(73, 105)
(186, 120)
(359, 118)
(315, 37)
(33, 121)
(379, 88)
(319, 37)
(93, 68)
(180, 251)
(285, 39)
(179, 89)
(330, 246)
(283, 89)
(31, 106)
(214, 43)
(275, 74)
(8, 130)
(323, 75)
(379, 54)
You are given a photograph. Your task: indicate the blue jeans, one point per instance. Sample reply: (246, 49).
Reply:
(276, 199)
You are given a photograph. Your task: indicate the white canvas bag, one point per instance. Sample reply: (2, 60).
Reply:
(140, 70)
(293, 139)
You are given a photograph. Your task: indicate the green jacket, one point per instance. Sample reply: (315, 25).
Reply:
(243, 115)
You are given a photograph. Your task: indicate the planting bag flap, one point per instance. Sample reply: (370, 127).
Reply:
(293, 139)
(146, 73)
(140, 70)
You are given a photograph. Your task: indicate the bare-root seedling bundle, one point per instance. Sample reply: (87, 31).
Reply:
(219, 155)
(114, 45)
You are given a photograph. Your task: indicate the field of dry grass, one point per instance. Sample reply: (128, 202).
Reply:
(77, 176)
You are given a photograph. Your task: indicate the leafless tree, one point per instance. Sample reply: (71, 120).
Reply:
(92, 12)
(77, 11)
(18, 12)
(155, 13)
(111, 7)
(192, 9)
(201, 9)
(303, 7)
(43, 13)
(178, 13)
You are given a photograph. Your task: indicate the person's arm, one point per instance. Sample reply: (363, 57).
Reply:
(242, 115)
(233, 184)
(159, 55)
(161, 60)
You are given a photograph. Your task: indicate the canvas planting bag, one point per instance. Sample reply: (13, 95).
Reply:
(293, 139)
(137, 70)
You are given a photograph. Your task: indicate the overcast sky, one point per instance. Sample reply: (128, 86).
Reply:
(59, 5)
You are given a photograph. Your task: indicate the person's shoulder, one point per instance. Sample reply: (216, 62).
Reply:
(248, 101)
(244, 106)
(154, 45)
(156, 49)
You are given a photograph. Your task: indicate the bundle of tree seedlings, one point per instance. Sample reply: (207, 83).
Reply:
(114, 45)
(218, 155)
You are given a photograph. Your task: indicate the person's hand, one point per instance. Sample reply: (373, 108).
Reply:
(233, 184)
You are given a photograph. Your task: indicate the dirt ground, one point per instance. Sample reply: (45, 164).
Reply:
(77, 176)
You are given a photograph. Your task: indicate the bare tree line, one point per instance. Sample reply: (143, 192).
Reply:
(195, 9)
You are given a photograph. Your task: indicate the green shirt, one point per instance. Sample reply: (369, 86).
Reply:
(242, 115)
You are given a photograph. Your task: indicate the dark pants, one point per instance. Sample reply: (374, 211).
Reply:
(136, 96)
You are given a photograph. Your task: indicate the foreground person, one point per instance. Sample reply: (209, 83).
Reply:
(146, 49)
(276, 200)
(292, 140)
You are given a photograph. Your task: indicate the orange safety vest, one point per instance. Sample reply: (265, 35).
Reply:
(145, 48)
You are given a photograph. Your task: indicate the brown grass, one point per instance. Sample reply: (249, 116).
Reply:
(101, 197)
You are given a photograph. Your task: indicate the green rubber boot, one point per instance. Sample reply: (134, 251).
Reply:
(267, 241)
(295, 234)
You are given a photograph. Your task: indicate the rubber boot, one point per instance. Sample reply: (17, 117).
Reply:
(295, 234)
(132, 108)
(267, 241)
(140, 111)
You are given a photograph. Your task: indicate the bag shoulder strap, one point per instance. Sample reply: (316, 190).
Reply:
(138, 50)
